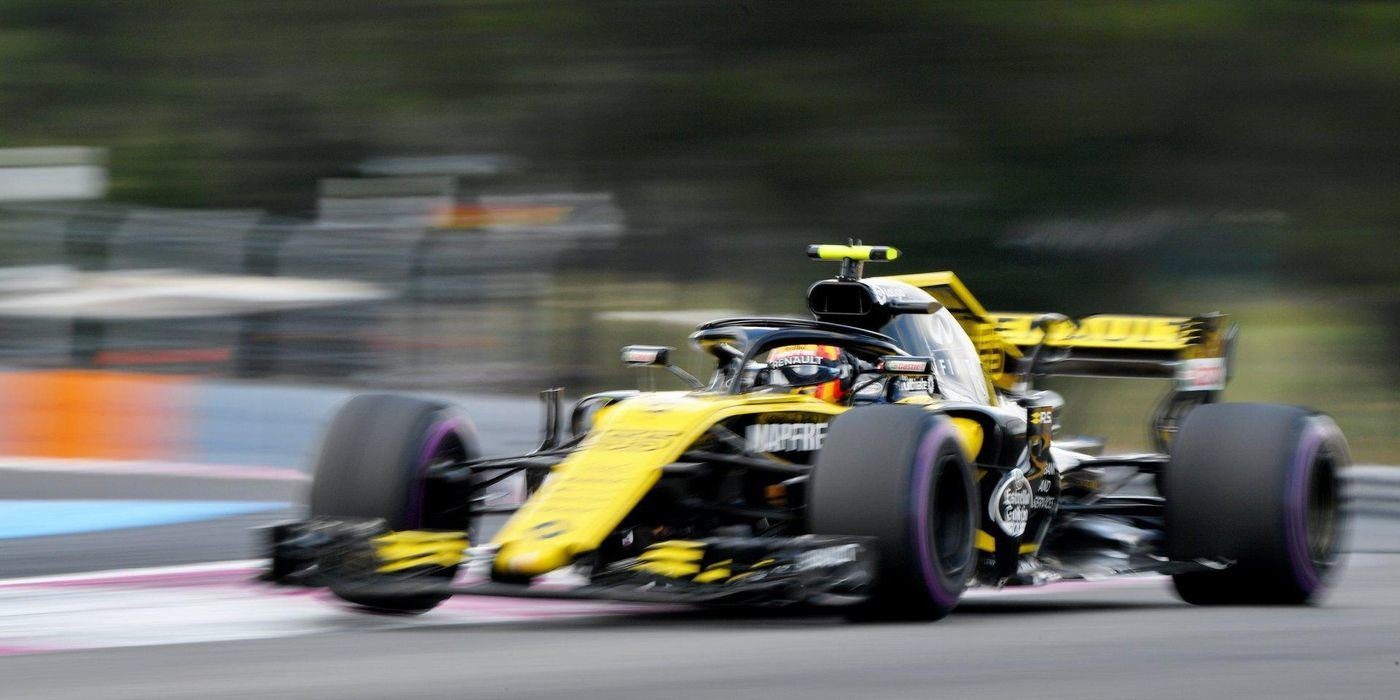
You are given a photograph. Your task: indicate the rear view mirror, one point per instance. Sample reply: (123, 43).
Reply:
(903, 365)
(657, 356)
(646, 355)
(910, 375)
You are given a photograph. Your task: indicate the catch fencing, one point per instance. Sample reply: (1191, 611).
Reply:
(99, 286)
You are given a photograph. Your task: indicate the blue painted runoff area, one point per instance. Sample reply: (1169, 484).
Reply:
(38, 518)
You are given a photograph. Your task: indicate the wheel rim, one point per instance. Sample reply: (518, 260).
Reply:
(933, 509)
(1314, 517)
(950, 525)
(443, 445)
(1322, 513)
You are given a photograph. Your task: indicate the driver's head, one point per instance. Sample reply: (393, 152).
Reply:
(816, 370)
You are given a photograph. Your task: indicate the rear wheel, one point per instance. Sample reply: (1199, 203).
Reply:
(1255, 487)
(898, 474)
(373, 464)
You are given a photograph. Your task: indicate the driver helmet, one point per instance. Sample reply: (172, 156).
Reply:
(821, 371)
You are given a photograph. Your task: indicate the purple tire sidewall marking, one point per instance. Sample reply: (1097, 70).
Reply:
(437, 435)
(920, 510)
(1305, 571)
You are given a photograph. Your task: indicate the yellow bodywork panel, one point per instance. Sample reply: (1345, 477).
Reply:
(1002, 337)
(971, 433)
(1099, 331)
(1129, 332)
(689, 556)
(986, 543)
(672, 558)
(948, 290)
(713, 575)
(969, 430)
(997, 354)
(406, 549)
(592, 490)
(669, 569)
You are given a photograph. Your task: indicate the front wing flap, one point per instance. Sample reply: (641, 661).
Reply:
(818, 569)
(364, 557)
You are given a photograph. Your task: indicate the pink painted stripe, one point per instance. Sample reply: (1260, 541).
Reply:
(545, 606)
(12, 650)
(242, 575)
(1060, 587)
(189, 580)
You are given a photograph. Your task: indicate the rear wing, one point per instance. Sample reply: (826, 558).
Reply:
(1193, 350)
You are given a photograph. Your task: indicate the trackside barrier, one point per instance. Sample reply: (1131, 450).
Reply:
(100, 415)
(76, 413)
(459, 286)
(126, 416)
(118, 416)
(1373, 491)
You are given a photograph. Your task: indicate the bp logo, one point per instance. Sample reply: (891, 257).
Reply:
(1010, 505)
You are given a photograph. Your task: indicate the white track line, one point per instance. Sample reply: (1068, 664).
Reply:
(216, 601)
(129, 575)
(238, 472)
(220, 601)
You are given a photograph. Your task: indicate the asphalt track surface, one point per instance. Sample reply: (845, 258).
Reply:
(204, 630)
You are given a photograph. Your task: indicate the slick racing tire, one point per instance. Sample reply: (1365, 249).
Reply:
(1254, 487)
(372, 465)
(898, 474)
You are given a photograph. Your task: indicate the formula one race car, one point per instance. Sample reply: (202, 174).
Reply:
(884, 455)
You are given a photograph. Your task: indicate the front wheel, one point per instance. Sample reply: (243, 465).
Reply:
(1254, 488)
(898, 474)
(373, 463)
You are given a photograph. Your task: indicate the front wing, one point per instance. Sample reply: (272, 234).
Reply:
(363, 557)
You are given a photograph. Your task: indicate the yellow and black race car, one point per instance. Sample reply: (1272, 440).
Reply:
(884, 455)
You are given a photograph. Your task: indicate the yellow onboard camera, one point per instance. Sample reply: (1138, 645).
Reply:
(852, 257)
(859, 253)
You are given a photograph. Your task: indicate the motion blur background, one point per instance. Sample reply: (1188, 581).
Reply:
(226, 213)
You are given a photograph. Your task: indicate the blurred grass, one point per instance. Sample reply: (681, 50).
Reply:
(1298, 353)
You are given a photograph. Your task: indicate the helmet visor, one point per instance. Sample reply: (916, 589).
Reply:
(803, 366)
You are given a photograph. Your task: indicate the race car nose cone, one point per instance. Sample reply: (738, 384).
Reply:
(530, 559)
